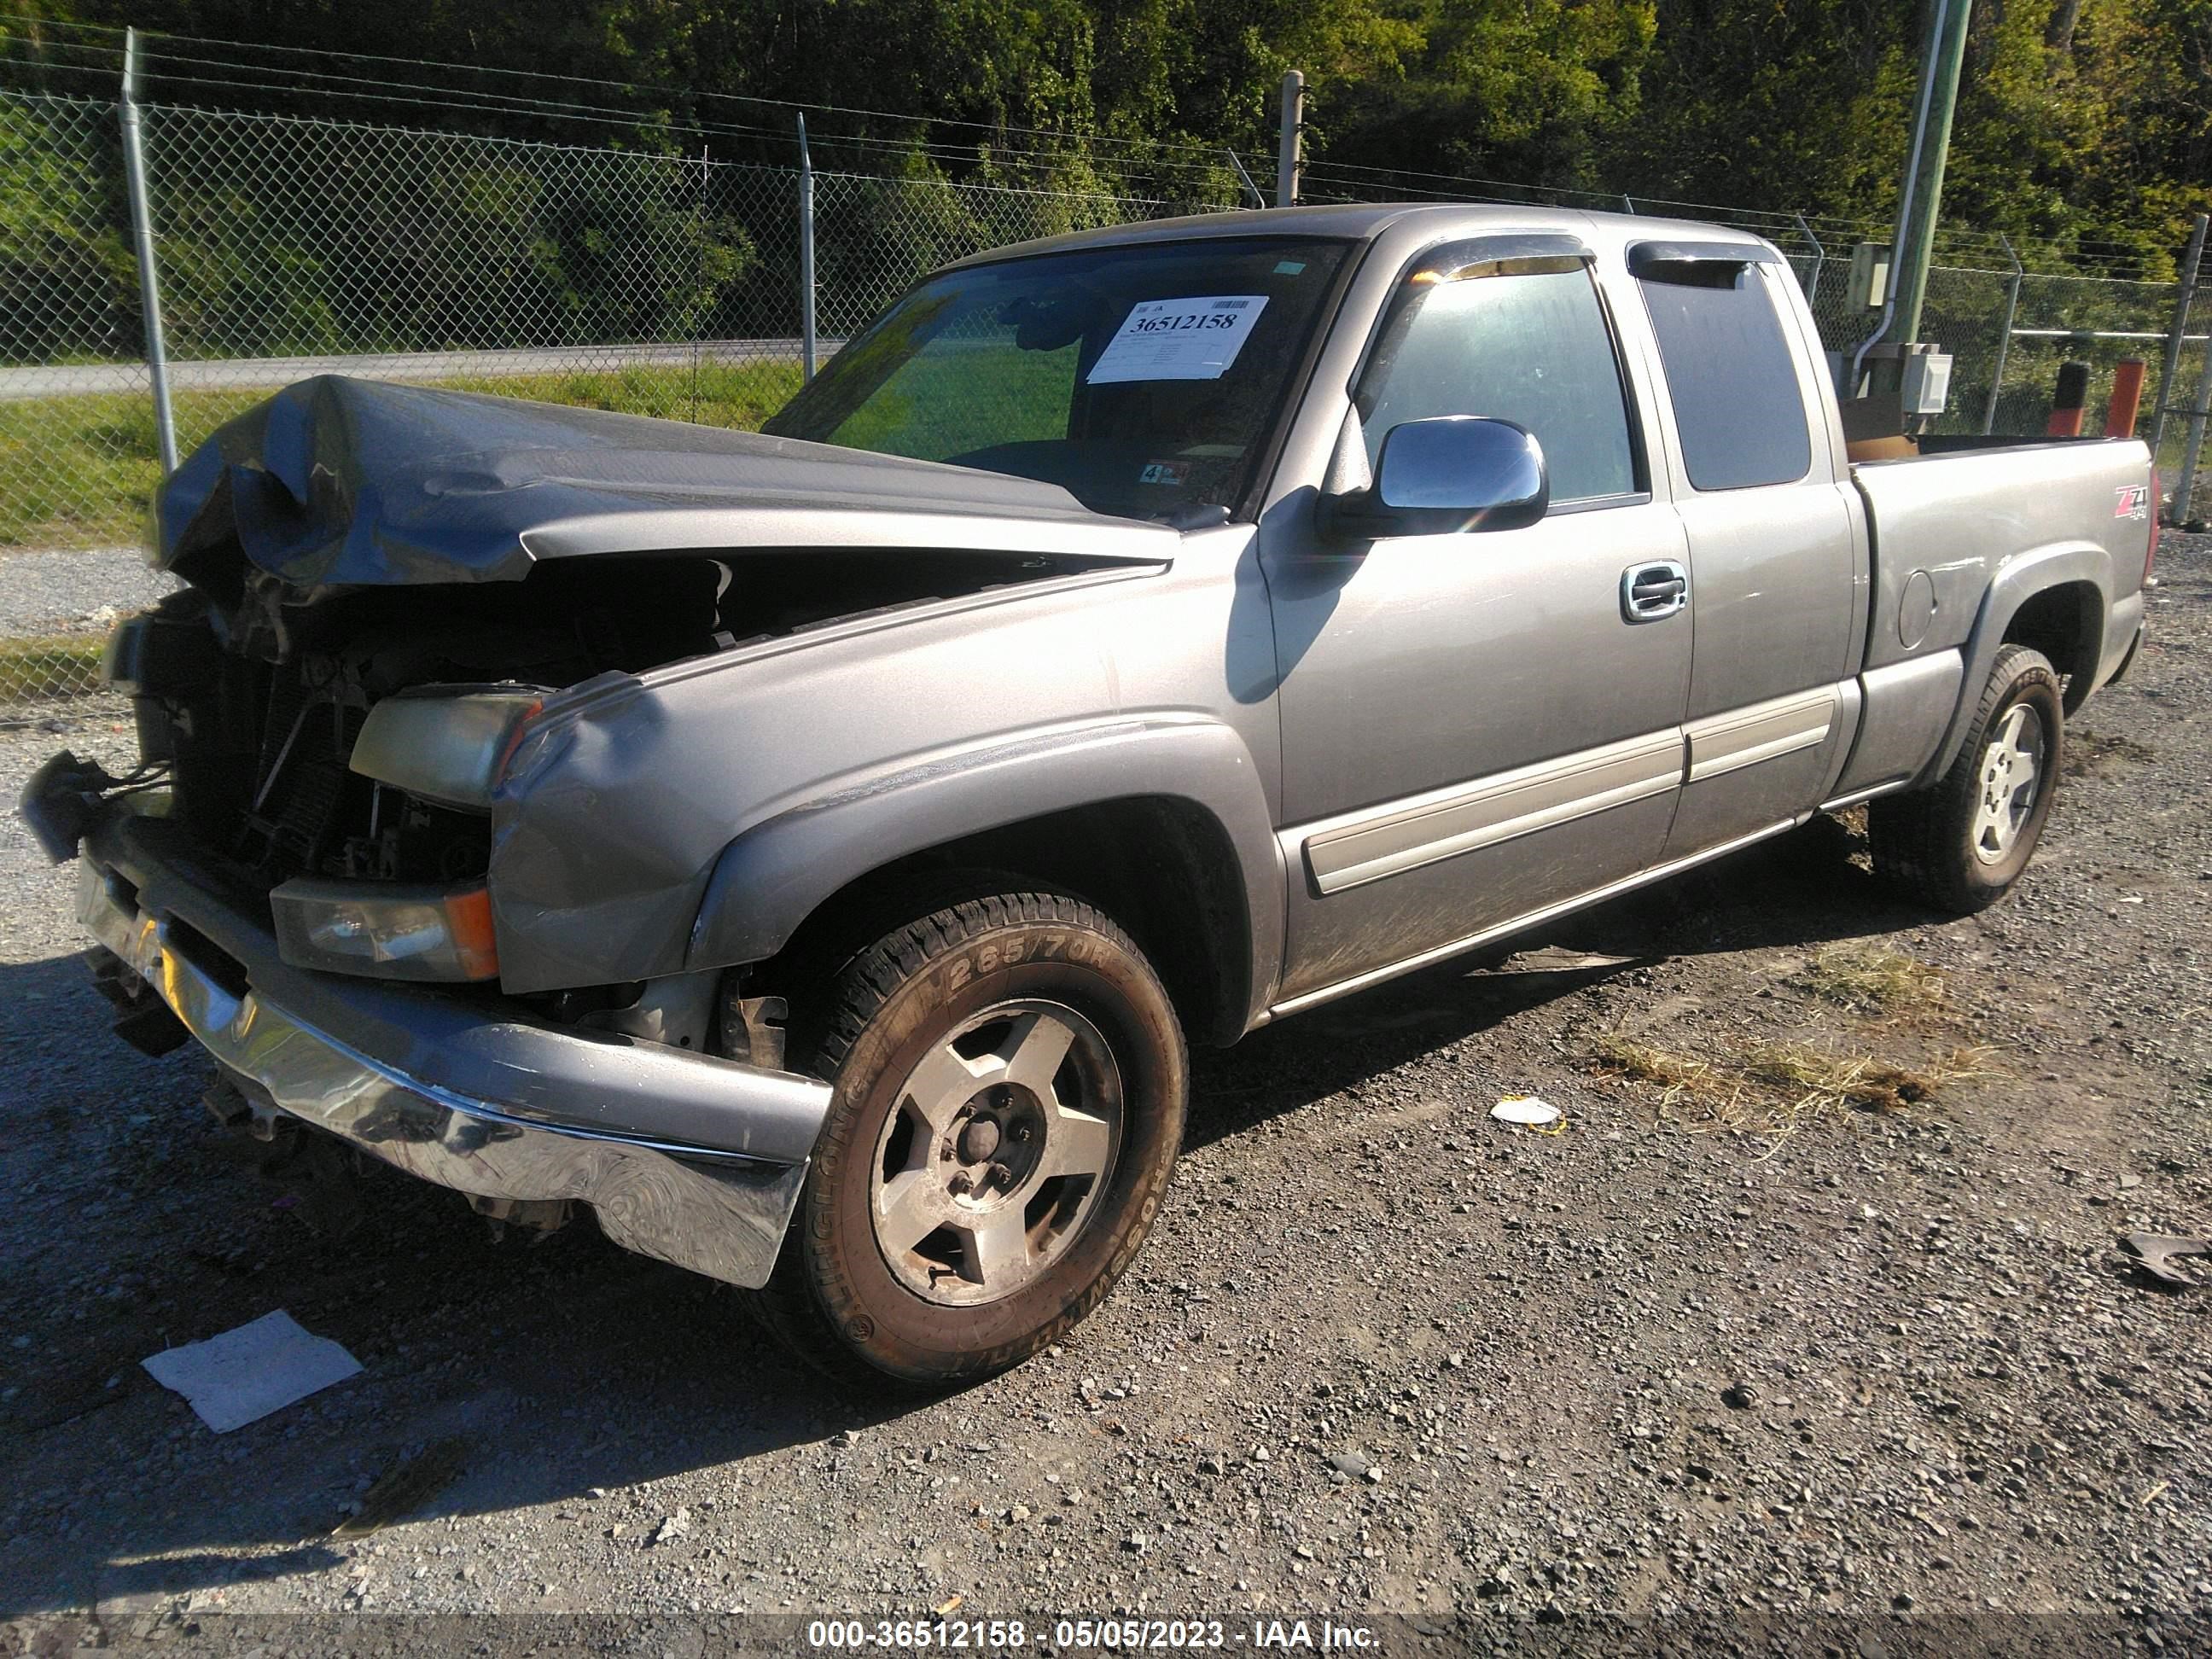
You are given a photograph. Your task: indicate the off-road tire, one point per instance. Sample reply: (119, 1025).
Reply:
(1924, 842)
(833, 1298)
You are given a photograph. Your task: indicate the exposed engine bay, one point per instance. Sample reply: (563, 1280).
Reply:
(254, 695)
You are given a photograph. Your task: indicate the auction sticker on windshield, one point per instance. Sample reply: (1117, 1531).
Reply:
(1194, 339)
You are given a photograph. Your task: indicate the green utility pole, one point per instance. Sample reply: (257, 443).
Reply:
(1918, 247)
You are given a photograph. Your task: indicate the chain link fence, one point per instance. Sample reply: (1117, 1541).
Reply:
(637, 279)
(874, 237)
(652, 283)
(72, 374)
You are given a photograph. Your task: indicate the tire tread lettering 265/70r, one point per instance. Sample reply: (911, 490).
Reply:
(834, 1297)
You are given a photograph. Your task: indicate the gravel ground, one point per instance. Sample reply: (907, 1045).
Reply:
(1694, 1355)
(52, 592)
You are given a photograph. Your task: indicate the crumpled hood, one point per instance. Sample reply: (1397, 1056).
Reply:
(338, 481)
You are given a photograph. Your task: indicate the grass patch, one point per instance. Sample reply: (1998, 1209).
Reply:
(740, 395)
(1870, 980)
(33, 669)
(1777, 1089)
(79, 471)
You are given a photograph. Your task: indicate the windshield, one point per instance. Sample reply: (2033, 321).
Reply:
(1143, 380)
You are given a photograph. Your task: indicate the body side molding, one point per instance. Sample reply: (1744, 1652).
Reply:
(1763, 730)
(1356, 848)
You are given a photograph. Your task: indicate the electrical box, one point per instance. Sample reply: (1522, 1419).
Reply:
(1925, 387)
(1869, 286)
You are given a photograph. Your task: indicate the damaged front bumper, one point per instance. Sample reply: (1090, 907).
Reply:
(692, 1160)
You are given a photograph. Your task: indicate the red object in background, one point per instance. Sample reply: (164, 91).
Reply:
(2067, 398)
(2127, 397)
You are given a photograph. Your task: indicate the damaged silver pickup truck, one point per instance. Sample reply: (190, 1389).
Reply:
(809, 852)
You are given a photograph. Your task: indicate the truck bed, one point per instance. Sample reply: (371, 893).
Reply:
(1948, 526)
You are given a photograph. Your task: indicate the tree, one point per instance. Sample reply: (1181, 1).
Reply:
(2082, 122)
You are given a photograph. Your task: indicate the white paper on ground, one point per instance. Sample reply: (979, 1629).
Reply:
(1525, 1109)
(1194, 339)
(244, 1375)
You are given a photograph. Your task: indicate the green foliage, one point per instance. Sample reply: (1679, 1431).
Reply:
(2081, 123)
(1527, 92)
(67, 285)
(1831, 81)
(2098, 138)
(2103, 136)
(408, 245)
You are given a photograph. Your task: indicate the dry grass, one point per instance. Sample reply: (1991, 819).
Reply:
(1777, 1089)
(1870, 980)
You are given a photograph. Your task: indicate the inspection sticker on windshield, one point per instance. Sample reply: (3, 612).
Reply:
(1195, 339)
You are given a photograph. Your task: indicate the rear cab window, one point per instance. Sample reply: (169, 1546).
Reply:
(1731, 377)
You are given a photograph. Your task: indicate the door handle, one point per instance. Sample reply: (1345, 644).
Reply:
(1648, 592)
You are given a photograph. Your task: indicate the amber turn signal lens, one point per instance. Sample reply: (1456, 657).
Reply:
(385, 930)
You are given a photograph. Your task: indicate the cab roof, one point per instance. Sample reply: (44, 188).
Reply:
(1364, 221)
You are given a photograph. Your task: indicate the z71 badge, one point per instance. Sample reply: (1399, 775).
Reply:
(2132, 501)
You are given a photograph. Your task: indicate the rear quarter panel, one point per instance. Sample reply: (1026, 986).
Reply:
(1956, 534)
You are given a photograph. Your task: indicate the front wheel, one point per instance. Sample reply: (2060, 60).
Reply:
(1011, 1090)
(1961, 844)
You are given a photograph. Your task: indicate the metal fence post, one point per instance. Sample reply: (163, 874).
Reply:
(2171, 366)
(142, 241)
(698, 313)
(1286, 145)
(2193, 451)
(805, 254)
(2004, 336)
(1819, 258)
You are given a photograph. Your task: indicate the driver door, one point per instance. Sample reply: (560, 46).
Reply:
(1480, 724)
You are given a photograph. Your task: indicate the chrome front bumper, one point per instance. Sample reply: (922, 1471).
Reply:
(692, 1160)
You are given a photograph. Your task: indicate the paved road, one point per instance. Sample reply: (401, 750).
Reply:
(225, 373)
(74, 593)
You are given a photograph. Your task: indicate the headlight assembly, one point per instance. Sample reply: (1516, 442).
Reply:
(446, 744)
(387, 930)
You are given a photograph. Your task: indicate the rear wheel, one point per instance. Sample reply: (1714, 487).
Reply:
(1010, 1088)
(1960, 845)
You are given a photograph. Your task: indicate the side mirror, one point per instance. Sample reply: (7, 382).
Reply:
(1439, 476)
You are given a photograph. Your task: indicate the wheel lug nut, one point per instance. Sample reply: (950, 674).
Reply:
(1002, 1174)
(961, 1182)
